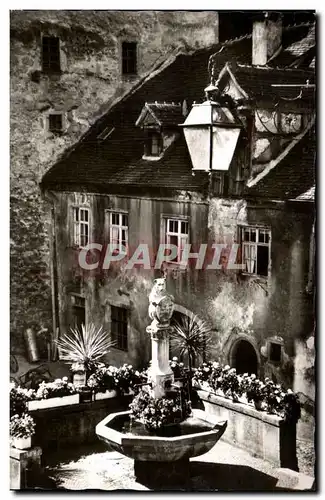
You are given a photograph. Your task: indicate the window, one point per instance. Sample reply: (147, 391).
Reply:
(154, 144)
(81, 226)
(129, 58)
(55, 122)
(78, 312)
(118, 230)
(50, 54)
(256, 244)
(177, 234)
(119, 327)
(275, 352)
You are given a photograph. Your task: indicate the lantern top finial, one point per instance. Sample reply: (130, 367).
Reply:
(209, 89)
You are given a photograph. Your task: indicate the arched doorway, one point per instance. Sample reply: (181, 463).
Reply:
(244, 358)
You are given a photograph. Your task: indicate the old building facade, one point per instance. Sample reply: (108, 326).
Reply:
(131, 182)
(67, 67)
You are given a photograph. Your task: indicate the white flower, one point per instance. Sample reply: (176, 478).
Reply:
(175, 358)
(215, 364)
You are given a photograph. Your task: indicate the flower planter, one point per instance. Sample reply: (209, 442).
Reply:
(266, 436)
(129, 392)
(22, 443)
(39, 404)
(105, 395)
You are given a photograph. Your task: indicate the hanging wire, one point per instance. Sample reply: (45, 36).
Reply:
(299, 96)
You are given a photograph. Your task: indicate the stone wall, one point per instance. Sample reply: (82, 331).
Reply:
(90, 78)
(265, 436)
(236, 306)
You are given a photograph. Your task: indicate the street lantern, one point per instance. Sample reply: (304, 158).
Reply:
(211, 132)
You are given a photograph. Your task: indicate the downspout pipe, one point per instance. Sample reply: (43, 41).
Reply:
(51, 198)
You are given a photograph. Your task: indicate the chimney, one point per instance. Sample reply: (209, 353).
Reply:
(267, 37)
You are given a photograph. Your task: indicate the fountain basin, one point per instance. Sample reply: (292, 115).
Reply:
(193, 437)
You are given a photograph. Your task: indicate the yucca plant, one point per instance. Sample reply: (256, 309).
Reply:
(83, 349)
(191, 337)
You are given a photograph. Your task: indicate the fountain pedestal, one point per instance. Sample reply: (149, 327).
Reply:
(164, 475)
(161, 459)
(160, 374)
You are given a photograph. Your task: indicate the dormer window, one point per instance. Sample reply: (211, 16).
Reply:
(159, 121)
(154, 144)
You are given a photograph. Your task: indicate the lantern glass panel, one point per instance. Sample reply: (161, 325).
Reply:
(198, 143)
(223, 147)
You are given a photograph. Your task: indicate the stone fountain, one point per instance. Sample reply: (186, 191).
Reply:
(161, 460)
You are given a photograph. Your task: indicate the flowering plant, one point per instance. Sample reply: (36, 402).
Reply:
(203, 372)
(22, 426)
(178, 368)
(156, 413)
(273, 396)
(277, 400)
(57, 389)
(126, 378)
(291, 406)
(254, 388)
(19, 398)
(103, 379)
(230, 382)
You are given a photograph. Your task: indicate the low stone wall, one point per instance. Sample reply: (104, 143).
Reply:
(265, 436)
(71, 425)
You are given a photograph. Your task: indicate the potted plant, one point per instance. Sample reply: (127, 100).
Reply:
(102, 382)
(19, 398)
(191, 337)
(291, 407)
(255, 391)
(61, 392)
(215, 377)
(273, 396)
(22, 428)
(83, 349)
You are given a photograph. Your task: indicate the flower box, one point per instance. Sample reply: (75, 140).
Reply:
(266, 436)
(22, 443)
(105, 395)
(39, 404)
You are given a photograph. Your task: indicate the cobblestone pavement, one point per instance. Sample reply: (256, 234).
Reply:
(224, 468)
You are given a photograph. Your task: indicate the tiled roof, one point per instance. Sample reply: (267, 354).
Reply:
(166, 114)
(115, 163)
(258, 82)
(293, 176)
(294, 53)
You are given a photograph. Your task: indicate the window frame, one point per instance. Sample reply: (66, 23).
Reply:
(255, 244)
(110, 226)
(276, 342)
(54, 130)
(53, 63)
(125, 58)
(166, 233)
(151, 134)
(117, 335)
(76, 235)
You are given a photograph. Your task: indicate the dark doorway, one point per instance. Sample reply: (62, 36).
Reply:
(78, 312)
(244, 357)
